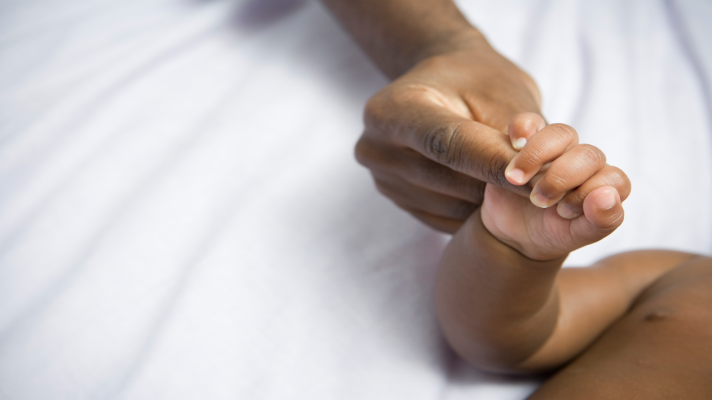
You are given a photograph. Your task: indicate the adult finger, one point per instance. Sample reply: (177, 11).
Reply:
(411, 197)
(522, 127)
(458, 143)
(409, 166)
(571, 206)
(442, 224)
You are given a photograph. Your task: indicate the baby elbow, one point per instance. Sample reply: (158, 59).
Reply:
(491, 358)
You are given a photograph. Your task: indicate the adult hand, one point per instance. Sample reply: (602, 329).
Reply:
(437, 134)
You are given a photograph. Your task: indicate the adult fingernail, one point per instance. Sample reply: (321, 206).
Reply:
(606, 201)
(519, 143)
(566, 211)
(516, 175)
(538, 200)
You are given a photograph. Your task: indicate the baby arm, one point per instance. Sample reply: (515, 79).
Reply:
(502, 301)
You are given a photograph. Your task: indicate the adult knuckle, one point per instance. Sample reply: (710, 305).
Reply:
(442, 143)
(387, 106)
(373, 112)
(376, 111)
(364, 152)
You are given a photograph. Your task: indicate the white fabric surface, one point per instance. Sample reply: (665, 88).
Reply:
(181, 216)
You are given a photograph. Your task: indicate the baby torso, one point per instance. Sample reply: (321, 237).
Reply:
(660, 349)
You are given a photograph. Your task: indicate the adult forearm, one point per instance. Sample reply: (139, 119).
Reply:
(496, 306)
(396, 34)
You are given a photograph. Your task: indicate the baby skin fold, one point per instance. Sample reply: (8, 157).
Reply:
(634, 325)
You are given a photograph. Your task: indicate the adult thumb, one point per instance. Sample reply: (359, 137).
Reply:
(461, 144)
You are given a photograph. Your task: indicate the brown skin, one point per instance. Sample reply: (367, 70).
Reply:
(661, 348)
(433, 137)
(436, 135)
(635, 325)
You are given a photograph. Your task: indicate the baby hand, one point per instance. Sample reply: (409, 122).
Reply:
(559, 170)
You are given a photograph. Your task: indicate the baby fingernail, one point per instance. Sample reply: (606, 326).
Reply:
(517, 175)
(539, 200)
(519, 143)
(606, 201)
(566, 211)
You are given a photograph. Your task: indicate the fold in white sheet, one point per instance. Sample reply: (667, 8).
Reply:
(181, 216)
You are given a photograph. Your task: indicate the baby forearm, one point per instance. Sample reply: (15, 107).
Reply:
(496, 306)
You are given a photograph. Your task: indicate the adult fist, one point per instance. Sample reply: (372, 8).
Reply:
(437, 134)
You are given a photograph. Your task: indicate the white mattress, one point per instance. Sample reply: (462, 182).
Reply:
(181, 216)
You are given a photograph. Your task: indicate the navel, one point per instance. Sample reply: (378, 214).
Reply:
(658, 315)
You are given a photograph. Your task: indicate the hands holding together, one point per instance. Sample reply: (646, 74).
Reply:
(435, 136)
(458, 140)
(446, 127)
(560, 171)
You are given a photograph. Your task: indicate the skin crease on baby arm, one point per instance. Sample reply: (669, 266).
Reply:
(634, 325)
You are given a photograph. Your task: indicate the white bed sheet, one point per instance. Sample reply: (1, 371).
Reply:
(181, 216)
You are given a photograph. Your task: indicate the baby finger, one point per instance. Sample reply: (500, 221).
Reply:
(571, 206)
(566, 173)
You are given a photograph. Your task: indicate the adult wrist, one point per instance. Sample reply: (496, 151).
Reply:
(466, 39)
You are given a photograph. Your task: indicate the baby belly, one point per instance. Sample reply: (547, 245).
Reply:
(661, 349)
